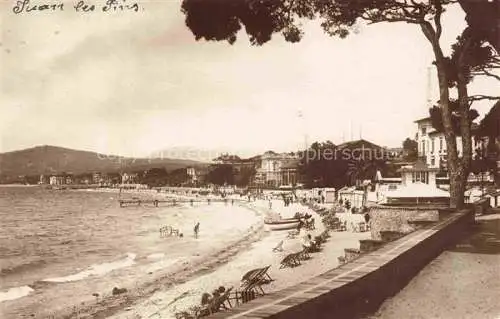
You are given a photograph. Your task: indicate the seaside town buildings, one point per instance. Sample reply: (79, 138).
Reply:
(277, 170)
(196, 176)
(489, 130)
(129, 178)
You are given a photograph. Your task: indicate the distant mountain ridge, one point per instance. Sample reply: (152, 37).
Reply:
(55, 160)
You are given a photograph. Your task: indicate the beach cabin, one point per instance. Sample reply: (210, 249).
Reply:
(355, 197)
(329, 194)
(418, 187)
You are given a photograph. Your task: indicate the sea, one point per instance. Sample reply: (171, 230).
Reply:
(56, 245)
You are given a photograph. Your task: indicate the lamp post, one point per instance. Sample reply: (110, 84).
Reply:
(300, 114)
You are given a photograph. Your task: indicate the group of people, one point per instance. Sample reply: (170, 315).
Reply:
(166, 231)
(304, 221)
(206, 298)
(287, 201)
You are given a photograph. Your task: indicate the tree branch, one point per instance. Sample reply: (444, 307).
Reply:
(487, 73)
(480, 97)
(437, 17)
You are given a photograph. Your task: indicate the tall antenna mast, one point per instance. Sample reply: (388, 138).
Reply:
(428, 93)
(350, 130)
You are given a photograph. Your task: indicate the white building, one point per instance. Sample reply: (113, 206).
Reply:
(128, 178)
(57, 180)
(277, 169)
(432, 144)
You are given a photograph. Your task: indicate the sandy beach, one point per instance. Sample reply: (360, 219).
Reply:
(180, 296)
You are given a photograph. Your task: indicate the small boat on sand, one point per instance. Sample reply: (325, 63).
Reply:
(281, 224)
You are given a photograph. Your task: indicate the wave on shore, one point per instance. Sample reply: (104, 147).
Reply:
(96, 270)
(15, 293)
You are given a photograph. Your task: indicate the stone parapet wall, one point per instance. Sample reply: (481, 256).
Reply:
(395, 218)
(357, 288)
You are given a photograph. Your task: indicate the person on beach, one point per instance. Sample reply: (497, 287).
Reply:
(300, 225)
(196, 230)
(205, 299)
(307, 241)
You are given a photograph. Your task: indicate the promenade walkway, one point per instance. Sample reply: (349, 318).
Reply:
(462, 282)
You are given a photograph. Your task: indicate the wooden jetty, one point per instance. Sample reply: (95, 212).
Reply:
(172, 201)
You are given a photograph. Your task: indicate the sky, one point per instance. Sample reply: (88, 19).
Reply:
(132, 83)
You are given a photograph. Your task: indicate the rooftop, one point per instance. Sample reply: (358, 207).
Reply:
(358, 144)
(424, 119)
(418, 190)
(419, 166)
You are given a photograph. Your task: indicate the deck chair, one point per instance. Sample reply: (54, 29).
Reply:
(290, 260)
(249, 275)
(279, 247)
(254, 281)
(263, 275)
(304, 254)
(223, 299)
(319, 240)
(258, 276)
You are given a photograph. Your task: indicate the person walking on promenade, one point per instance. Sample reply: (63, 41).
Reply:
(367, 218)
(196, 230)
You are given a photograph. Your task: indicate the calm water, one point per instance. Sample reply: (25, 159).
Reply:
(60, 237)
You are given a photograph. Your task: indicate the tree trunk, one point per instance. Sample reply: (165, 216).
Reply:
(457, 189)
(463, 109)
(493, 154)
(454, 169)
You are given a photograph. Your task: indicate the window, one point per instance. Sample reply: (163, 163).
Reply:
(441, 143)
(432, 145)
(422, 177)
(423, 147)
(433, 161)
(424, 130)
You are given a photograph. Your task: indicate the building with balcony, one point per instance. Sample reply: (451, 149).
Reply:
(432, 144)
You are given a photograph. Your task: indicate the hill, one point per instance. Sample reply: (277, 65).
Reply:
(52, 160)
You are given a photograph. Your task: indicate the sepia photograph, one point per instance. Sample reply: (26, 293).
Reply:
(284, 159)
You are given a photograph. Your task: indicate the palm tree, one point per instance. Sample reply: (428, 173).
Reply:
(360, 170)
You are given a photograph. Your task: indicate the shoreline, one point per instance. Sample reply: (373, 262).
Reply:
(166, 302)
(205, 265)
(150, 277)
(182, 273)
